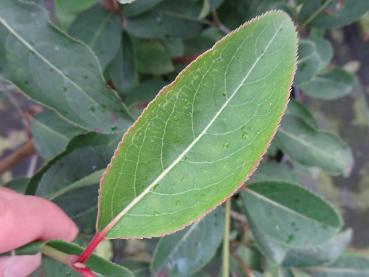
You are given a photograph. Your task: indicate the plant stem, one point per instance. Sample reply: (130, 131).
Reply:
(17, 156)
(227, 223)
(98, 237)
(315, 14)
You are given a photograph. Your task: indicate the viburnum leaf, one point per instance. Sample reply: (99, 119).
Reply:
(203, 135)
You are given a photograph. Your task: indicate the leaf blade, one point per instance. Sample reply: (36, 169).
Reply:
(167, 164)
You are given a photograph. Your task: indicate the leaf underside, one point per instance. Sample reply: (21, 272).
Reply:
(197, 140)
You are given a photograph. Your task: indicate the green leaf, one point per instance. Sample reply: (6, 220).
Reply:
(97, 264)
(122, 70)
(139, 96)
(139, 268)
(167, 19)
(139, 7)
(214, 121)
(311, 147)
(324, 49)
(67, 10)
(152, 58)
(60, 73)
(18, 184)
(331, 85)
(341, 13)
(51, 133)
(309, 61)
(273, 171)
(346, 266)
(187, 251)
(289, 214)
(316, 256)
(100, 30)
(74, 188)
(298, 110)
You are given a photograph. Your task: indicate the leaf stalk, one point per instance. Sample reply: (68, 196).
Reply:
(227, 223)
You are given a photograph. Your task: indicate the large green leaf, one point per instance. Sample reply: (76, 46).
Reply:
(187, 251)
(55, 70)
(309, 146)
(194, 144)
(290, 214)
(100, 30)
(331, 85)
(51, 133)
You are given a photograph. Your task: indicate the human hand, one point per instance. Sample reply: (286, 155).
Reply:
(24, 219)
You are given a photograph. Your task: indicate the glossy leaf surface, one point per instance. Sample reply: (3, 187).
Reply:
(196, 142)
(187, 251)
(290, 214)
(56, 70)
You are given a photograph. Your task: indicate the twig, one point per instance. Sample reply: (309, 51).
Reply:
(239, 217)
(244, 267)
(227, 223)
(219, 23)
(17, 156)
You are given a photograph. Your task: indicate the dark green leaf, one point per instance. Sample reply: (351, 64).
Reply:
(331, 85)
(312, 147)
(152, 58)
(317, 256)
(273, 171)
(189, 250)
(139, 7)
(51, 133)
(289, 214)
(167, 19)
(60, 73)
(341, 13)
(298, 110)
(100, 30)
(309, 62)
(122, 70)
(67, 10)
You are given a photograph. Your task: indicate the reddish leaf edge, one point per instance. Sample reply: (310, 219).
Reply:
(99, 236)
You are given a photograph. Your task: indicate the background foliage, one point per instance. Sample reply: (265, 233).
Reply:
(135, 49)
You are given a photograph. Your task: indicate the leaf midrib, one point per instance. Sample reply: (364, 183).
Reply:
(137, 199)
(45, 60)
